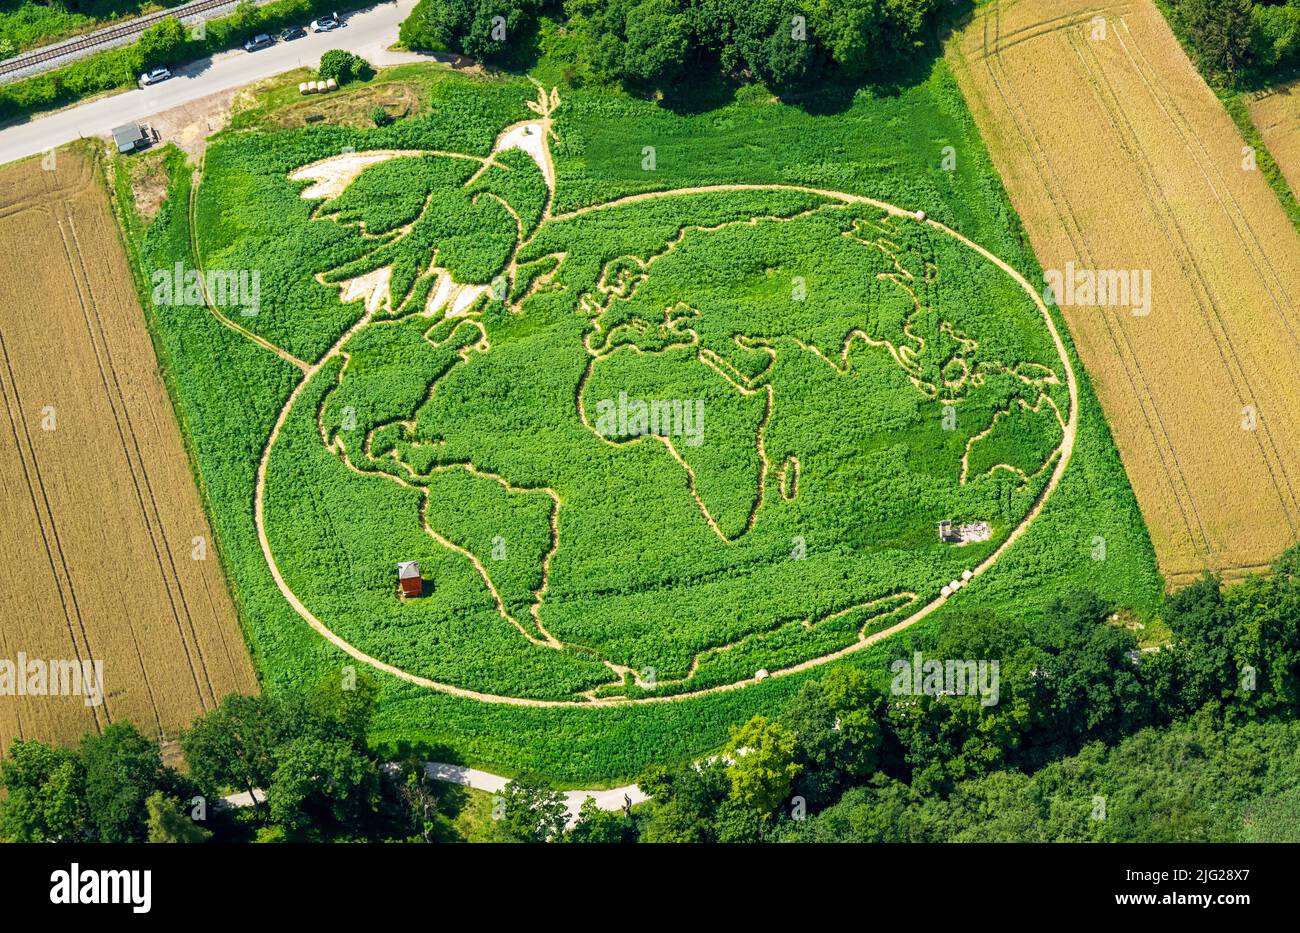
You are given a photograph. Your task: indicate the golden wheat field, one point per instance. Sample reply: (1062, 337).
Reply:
(1276, 113)
(1118, 157)
(98, 510)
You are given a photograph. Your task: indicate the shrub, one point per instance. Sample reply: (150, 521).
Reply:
(343, 67)
(163, 43)
(488, 30)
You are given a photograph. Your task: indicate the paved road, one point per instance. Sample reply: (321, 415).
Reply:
(613, 799)
(367, 33)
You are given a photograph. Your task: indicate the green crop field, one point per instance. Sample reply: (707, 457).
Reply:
(668, 407)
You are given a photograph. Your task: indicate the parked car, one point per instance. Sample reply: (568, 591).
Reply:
(293, 32)
(153, 77)
(326, 23)
(258, 42)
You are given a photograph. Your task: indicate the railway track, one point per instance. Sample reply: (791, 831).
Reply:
(103, 37)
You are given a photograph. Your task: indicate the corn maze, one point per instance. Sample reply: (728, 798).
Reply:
(666, 444)
(664, 440)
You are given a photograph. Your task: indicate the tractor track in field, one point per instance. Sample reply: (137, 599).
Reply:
(40, 502)
(1149, 172)
(1047, 174)
(1210, 309)
(144, 492)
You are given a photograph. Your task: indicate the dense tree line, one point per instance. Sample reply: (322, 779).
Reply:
(650, 44)
(302, 757)
(1239, 41)
(1090, 738)
(305, 753)
(1195, 781)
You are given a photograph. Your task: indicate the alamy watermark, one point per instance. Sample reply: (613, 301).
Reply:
(949, 677)
(1116, 288)
(633, 417)
(77, 885)
(225, 288)
(37, 677)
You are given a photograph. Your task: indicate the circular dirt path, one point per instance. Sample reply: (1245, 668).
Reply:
(1063, 455)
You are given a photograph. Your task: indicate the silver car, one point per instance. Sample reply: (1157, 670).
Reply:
(153, 77)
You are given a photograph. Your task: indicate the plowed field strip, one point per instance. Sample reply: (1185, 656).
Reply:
(140, 470)
(1211, 312)
(1043, 166)
(134, 466)
(45, 518)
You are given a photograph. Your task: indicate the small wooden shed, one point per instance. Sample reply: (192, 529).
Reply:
(409, 579)
(129, 137)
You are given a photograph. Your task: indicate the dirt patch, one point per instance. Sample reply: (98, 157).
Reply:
(348, 108)
(334, 174)
(190, 125)
(149, 183)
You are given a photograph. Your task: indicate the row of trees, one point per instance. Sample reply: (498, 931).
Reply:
(648, 45)
(1240, 41)
(303, 761)
(1073, 685)
(306, 752)
(1078, 745)
(1194, 781)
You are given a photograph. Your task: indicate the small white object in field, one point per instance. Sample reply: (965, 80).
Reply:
(761, 674)
(302, 88)
(946, 591)
(957, 584)
(966, 574)
(920, 215)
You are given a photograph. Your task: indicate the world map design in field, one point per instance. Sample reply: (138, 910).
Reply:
(673, 443)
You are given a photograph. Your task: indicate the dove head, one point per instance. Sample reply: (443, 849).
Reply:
(534, 136)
